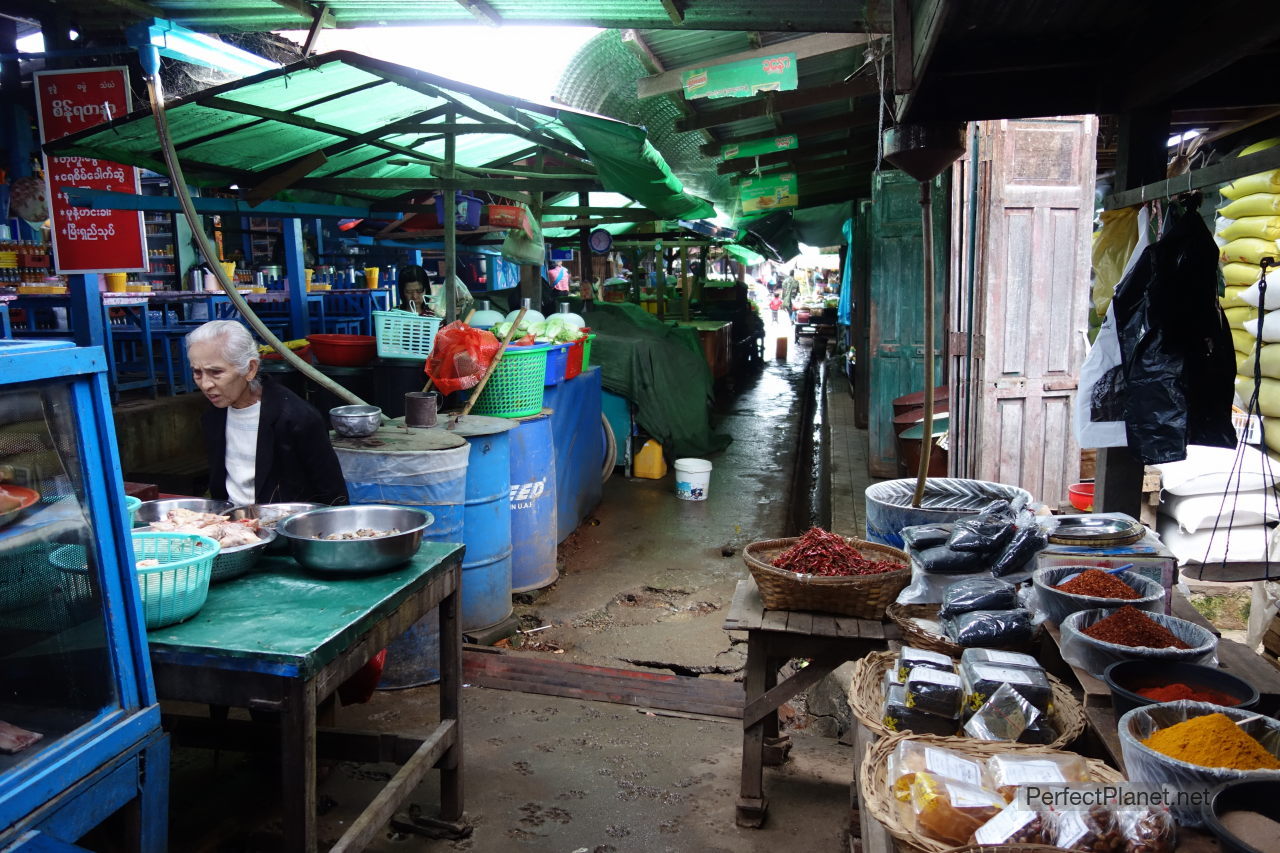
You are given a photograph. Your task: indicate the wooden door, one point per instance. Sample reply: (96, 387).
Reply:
(896, 304)
(1034, 213)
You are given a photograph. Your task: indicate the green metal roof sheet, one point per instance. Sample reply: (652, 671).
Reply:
(380, 128)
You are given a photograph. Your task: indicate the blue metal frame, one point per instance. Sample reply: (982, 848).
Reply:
(34, 794)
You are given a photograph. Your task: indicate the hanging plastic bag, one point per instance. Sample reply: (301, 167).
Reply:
(460, 356)
(462, 299)
(1099, 411)
(1113, 246)
(524, 248)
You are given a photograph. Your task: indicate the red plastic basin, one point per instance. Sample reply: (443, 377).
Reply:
(343, 350)
(1081, 496)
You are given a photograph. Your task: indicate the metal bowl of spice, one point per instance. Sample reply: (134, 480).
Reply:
(1196, 746)
(1241, 815)
(1135, 683)
(1063, 590)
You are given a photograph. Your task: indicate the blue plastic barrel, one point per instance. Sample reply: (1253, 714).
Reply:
(533, 505)
(486, 568)
(419, 468)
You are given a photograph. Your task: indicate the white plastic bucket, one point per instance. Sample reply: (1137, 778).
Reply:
(693, 476)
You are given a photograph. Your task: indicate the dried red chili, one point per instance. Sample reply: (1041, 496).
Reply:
(1099, 584)
(819, 552)
(1178, 690)
(1129, 626)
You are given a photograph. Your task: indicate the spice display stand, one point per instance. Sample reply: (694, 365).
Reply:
(773, 638)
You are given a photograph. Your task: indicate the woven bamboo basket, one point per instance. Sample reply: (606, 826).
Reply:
(876, 788)
(862, 596)
(866, 700)
(905, 616)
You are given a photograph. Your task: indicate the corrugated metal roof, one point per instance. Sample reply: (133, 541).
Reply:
(256, 15)
(379, 128)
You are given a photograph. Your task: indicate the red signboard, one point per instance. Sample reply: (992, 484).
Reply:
(86, 240)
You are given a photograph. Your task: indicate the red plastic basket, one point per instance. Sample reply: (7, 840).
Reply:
(343, 350)
(507, 216)
(303, 353)
(577, 350)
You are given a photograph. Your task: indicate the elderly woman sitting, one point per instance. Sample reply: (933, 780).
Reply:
(265, 444)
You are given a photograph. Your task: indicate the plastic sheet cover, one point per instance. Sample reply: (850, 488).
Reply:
(1094, 656)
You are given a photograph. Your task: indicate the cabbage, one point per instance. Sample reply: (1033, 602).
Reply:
(536, 329)
(500, 329)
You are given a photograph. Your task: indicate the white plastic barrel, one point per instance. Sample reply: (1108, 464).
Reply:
(693, 478)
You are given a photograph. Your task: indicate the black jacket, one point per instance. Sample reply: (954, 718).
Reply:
(295, 461)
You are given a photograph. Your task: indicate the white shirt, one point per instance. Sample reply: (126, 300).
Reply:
(242, 453)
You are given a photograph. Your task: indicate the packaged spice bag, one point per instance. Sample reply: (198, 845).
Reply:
(1016, 826)
(990, 628)
(1006, 773)
(923, 536)
(951, 811)
(981, 680)
(1005, 716)
(999, 658)
(1150, 830)
(934, 691)
(899, 716)
(909, 658)
(978, 594)
(1092, 831)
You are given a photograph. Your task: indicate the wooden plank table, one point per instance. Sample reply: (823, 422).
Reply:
(282, 640)
(773, 638)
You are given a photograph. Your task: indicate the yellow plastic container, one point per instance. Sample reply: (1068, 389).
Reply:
(371, 277)
(308, 273)
(117, 282)
(649, 464)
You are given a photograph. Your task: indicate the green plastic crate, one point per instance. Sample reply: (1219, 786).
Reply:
(515, 388)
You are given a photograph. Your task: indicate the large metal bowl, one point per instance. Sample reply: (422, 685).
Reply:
(234, 562)
(355, 556)
(270, 515)
(156, 510)
(355, 421)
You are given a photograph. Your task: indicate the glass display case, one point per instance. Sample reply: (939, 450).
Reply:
(77, 705)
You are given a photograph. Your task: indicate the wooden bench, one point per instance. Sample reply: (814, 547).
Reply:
(773, 638)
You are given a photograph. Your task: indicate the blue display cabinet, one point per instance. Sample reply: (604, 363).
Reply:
(74, 669)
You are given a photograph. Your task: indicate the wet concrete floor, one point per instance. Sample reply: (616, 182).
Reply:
(643, 584)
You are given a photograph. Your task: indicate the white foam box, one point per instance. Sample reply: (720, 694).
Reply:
(1149, 556)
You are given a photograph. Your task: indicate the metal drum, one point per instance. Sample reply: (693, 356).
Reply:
(533, 505)
(426, 469)
(946, 499)
(486, 528)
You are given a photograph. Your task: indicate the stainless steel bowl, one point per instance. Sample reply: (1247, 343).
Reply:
(233, 562)
(270, 515)
(355, 421)
(355, 556)
(156, 510)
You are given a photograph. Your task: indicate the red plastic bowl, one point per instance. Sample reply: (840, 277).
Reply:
(1081, 496)
(343, 350)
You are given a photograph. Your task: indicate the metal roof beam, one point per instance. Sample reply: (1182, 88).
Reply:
(309, 46)
(772, 103)
(820, 127)
(482, 12)
(804, 47)
(347, 185)
(746, 164)
(675, 11)
(308, 11)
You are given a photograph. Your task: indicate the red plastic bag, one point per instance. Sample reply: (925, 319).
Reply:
(460, 356)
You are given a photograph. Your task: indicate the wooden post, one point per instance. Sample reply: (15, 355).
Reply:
(1142, 158)
(450, 226)
(586, 266)
(685, 283)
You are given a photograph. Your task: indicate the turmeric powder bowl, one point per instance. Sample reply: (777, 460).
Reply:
(1207, 740)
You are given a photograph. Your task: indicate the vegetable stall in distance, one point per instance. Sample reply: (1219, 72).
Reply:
(819, 552)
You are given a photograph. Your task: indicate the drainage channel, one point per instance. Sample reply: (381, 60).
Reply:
(810, 485)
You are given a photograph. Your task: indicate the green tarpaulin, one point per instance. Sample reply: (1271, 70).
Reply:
(662, 370)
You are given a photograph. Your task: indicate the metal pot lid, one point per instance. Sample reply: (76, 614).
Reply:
(1096, 530)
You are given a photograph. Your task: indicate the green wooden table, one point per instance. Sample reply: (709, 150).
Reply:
(282, 639)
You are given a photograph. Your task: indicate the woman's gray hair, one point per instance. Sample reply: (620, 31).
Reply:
(234, 342)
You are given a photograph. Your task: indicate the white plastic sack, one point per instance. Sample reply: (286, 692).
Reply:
(1102, 357)
(1270, 325)
(1205, 512)
(1210, 471)
(1264, 602)
(1146, 766)
(1252, 295)
(1237, 545)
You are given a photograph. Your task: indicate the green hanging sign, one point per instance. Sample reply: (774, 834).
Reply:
(742, 79)
(767, 192)
(759, 146)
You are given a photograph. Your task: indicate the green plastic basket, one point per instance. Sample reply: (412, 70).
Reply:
(131, 504)
(403, 334)
(176, 589)
(586, 352)
(515, 388)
